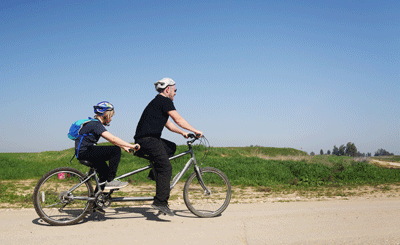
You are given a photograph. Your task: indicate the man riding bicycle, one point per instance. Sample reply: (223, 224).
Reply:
(148, 135)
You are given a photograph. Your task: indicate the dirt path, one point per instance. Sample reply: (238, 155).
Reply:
(386, 164)
(354, 221)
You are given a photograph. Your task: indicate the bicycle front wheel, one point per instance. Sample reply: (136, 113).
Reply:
(210, 197)
(54, 202)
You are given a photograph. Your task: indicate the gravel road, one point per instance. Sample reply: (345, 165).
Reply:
(355, 221)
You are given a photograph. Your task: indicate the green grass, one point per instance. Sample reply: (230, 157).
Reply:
(255, 151)
(245, 166)
(258, 167)
(16, 193)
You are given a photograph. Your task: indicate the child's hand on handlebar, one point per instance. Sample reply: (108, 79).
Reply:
(134, 147)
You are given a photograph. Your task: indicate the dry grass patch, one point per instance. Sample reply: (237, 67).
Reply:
(260, 194)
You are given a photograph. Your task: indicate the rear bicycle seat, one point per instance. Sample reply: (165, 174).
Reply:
(86, 163)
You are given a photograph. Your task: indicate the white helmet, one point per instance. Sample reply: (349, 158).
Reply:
(163, 83)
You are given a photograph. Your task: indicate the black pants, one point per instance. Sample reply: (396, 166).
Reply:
(98, 155)
(159, 151)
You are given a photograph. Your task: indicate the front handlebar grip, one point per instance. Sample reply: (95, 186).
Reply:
(194, 136)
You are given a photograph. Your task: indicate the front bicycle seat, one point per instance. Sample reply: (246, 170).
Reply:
(86, 163)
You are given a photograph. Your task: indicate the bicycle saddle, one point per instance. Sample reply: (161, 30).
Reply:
(86, 163)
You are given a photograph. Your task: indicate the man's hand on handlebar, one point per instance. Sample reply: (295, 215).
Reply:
(192, 136)
(198, 134)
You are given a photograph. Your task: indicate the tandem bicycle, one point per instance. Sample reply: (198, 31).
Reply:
(64, 196)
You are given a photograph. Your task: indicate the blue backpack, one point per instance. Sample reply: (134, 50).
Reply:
(74, 131)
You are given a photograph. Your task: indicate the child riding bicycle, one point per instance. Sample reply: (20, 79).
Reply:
(86, 148)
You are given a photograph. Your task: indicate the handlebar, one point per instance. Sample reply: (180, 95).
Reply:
(131, 150)
(193, 137)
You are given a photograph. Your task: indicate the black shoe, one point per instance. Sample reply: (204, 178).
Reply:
(164, 209)
(99, 210)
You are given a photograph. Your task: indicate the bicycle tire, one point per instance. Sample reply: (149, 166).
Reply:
(206, 205)
(48, 197)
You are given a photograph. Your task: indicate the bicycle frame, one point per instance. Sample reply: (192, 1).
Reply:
(178, 176)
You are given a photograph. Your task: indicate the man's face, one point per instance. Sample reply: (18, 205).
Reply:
(172, 92)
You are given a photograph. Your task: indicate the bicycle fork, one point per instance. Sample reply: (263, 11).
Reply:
(199, 174)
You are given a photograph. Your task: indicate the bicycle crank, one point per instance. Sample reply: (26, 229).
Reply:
(103, 200)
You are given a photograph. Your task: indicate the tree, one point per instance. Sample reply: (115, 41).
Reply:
(312, 154)
(342, 150)
(328, 152)
(335, 151)
(351, 150)
(382, 152)
(321, 152)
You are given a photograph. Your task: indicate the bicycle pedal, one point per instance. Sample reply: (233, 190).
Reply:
(160, 212)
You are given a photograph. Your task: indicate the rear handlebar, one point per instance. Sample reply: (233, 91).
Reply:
(131, 150)
(192, 136)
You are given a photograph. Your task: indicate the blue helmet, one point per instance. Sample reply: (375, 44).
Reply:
(102, 107)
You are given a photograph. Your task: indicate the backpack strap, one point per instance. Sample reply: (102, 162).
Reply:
(81, 136)
(70, 161)
(80, 141)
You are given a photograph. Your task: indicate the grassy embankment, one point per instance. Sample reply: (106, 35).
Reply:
(272, 170)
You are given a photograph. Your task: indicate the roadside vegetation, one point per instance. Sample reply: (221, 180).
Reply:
(263, 169)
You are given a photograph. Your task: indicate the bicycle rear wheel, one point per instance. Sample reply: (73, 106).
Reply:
(54, 204)
(213, 200)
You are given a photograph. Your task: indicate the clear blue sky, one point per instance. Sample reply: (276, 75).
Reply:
(302, 74)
